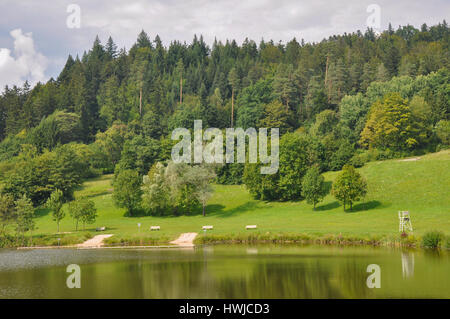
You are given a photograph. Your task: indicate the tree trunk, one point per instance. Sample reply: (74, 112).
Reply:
(351, 206)
(328, 87)
(314, 207)
(76, 226)
(204, 213)
(181, 88)
(58, 225)
(232, 106)
(140, 101)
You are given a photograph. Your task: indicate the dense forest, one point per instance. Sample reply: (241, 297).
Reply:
(348, 99)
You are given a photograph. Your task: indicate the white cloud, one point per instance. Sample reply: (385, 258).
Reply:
(25, 64)
(312, 20)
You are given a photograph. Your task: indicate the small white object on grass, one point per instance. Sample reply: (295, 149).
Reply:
(208, 227)
(405, 221)
(155, 228)
(251, 227)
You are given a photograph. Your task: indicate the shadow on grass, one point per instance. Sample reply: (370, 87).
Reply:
(328, 206)
(214, 209)
(94, 229)
(364, 206)
(96, 194)
(328, 185)
(211, 210)
(41, 212)
(237, 210)
(140, 212)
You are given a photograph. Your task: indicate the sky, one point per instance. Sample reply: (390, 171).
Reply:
(36, 37)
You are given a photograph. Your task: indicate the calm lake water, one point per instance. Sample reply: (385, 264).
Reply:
(226, 272)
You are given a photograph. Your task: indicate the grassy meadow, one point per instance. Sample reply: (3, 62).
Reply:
(419, 186)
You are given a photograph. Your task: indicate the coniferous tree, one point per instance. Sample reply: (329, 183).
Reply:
(143, 40)
(382, 73)
(111, 48)
(234, 81)
(64, 76)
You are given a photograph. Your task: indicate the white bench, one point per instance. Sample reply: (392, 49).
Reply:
(100, 228)
(251, 227)
(208, 227)
(155, 228)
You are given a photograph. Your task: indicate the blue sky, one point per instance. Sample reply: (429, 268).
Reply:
(35, 40)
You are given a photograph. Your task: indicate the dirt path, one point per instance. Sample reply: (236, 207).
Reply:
(96, 241)
(410, 159)
(185, 240)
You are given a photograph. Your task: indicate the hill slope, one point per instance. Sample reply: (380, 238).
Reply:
(418, 185)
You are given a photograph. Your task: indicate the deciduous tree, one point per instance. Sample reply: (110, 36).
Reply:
(55, 203)
(313, 186)
(349, 186)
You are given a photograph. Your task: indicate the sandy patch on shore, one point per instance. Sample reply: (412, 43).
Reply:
(96, 241)
(185, 240)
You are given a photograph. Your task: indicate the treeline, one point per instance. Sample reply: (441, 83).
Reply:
(348, 99)
(108, 84)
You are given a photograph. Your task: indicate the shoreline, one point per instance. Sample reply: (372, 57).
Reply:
(255, 238)
(101, 247)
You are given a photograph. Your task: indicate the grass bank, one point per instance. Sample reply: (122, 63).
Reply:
(419, 186)
(328, 239)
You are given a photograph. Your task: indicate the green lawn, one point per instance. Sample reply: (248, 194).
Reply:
(421, 186)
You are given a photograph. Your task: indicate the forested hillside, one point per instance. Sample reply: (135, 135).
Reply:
(349, 99)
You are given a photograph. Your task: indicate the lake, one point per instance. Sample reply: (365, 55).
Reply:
(265, 271)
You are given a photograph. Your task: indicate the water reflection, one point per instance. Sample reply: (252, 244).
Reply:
(225, 272)
(407, 264)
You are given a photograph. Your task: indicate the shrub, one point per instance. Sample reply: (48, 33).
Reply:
(432, 239)
(358, 160)
(443, 131)
(7, 241)
(230, 174)
(341, 156)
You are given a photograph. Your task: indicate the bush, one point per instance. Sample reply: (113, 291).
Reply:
(341, 156)
(230, 174)
(358, 160)
(443, 131)
(7, 241)
(432, 239)
(408, 240)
